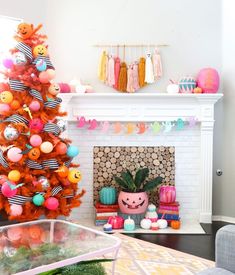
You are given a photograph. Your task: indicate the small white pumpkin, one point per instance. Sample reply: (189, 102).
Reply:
(145, 223)
(173, 89)
(162, 224)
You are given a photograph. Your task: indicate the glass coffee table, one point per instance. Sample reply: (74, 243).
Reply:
(43, 245)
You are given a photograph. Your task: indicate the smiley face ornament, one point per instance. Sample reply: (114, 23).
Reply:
(74, 176)
(40, 50)
(6, 97)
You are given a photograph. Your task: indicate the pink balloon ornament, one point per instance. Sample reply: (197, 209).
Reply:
(14, 154)
(7, 63)
(51, 203)
(7, 191)
(4, 108)
(16, 210)
(208, 80)
(50, 74)
(36, 124)
(43, 77)
(34, 106)
(35, 140)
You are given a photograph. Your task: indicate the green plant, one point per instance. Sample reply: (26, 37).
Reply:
(137, 183)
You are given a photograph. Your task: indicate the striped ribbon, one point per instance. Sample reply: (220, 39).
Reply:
(16, 119)
(52, 128)
(24, 48)
(17, 85)
(46, 59)
(20, 200)
(36, 94)
(69, 196)
(3, 161)
(53, 103)
(51, 164)
(68, 162)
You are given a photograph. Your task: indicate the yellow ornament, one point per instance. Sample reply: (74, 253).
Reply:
(40, 50)
(6, 97)
(74, 176)
(14, 175)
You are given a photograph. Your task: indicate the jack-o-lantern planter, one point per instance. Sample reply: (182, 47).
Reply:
(134, 199)
(133, 203)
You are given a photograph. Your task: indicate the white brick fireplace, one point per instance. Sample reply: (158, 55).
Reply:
(193, 146)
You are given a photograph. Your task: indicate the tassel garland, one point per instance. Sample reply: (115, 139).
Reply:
(141, 70)
(122, 81)
(149, 77)
(116, 71)
(102, 66)
(111, 76)
(157, 65)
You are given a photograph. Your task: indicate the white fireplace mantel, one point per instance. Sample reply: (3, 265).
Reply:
(155, 107)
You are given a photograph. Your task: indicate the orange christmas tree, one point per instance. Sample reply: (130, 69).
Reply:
(37, 176)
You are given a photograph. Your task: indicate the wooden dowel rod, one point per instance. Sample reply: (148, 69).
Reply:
(130, 45)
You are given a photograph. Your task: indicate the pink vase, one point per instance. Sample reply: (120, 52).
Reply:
(167, 194)
(133, 203)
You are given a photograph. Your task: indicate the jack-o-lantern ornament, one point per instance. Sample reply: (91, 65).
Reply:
(175, 224)
(54, 89)
(74, 176)
(34, 154)
(133, 203)
(63, 171)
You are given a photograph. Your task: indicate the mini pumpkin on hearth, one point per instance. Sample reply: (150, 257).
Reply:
(134, 199)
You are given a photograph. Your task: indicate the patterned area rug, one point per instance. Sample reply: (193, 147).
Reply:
(138, 257)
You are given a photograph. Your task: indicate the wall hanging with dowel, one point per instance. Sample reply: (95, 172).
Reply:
(128, 77)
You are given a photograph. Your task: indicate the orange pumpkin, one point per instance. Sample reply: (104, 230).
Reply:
(63, 171)
(175, 224)
(34, 154)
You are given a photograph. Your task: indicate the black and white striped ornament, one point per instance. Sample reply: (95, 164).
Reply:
(16, 119)
(50, 164)
(68, 162)
(53, 103)
(24, 48)
(3, 161)
(33, 164)
(17, 85)
(36, 94)
(56, 190)
(18, 199)
(52, 128)
(46, 59)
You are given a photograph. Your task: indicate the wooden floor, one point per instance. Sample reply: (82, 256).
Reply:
(198, 245)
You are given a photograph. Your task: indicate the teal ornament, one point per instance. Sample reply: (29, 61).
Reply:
(72, 151)
(156, 127)
(179, 124)
(129, 224)
(38, 199)
(187, 84)
(108, 195)
(41, 65)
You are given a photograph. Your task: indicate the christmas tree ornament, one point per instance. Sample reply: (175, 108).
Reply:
(51, 203)
(72, 151)
(10, 133)
(46, 147)
(61, 148)
(6, 97)
(51, 74)
(9, 251)
(62, 124)
(15, 104)
(19, 59)
(41, 65)
(35, 140)
(4, 108)
(34, 154)
(14, 154)
(34, 106)
(8, 63)
(54, 89)
(14, 175)
(38, 200)
(43, 77)
(25, 31)
(62, 171)
(44, 182)
(74, 176)
(7, 189)
(16, 210)
(36, 124)
(27, 109)
(39, 50)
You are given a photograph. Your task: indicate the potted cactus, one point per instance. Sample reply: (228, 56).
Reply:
(133, 198)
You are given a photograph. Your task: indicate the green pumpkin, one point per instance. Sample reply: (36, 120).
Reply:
(108, 195)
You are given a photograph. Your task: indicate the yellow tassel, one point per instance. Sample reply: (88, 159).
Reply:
(122, 80)
(102, 67)
(141, 69)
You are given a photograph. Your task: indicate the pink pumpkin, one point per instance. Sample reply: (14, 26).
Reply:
(133, 203)
(117, 222)
(208, 80)
(167, 194)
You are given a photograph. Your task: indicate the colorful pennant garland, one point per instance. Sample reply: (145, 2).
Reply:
(136, 128)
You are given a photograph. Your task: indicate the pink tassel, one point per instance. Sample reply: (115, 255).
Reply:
(136, 85)
(116, 71)
(111, 76)
(130, 80)
(157, 65)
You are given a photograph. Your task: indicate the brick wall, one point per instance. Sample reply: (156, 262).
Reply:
(187, 158)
